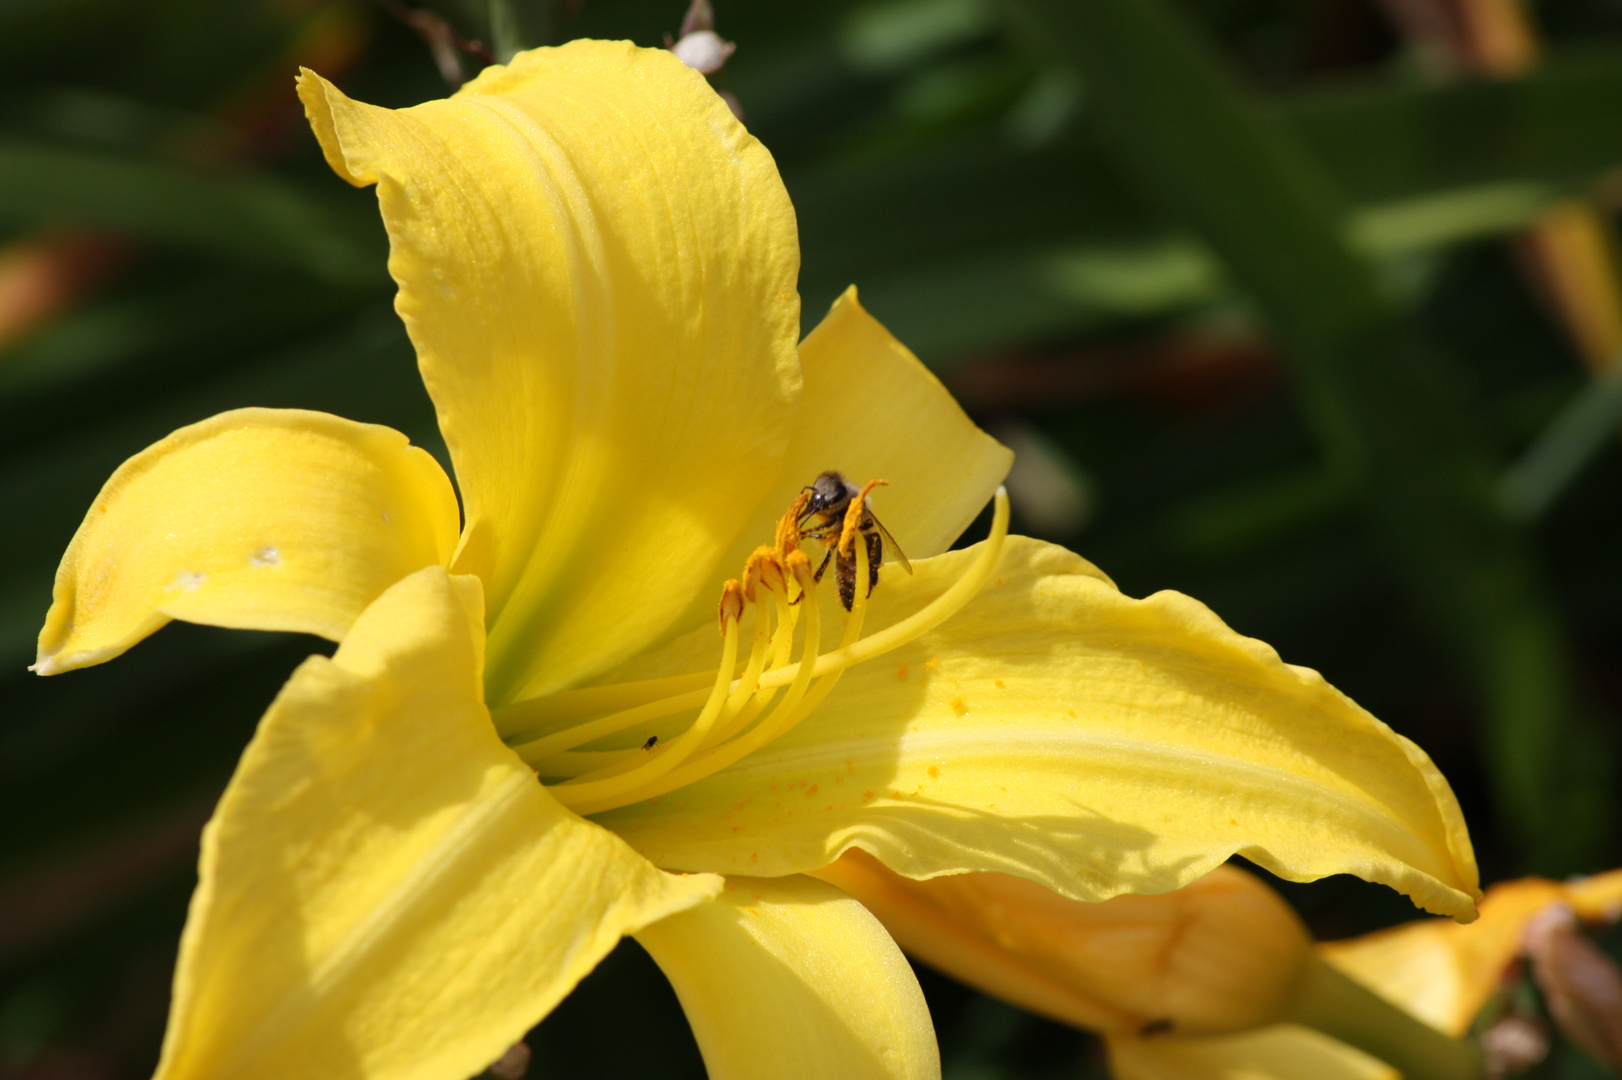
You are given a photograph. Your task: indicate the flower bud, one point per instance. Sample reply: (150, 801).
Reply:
(703, 51)
(1223, 954)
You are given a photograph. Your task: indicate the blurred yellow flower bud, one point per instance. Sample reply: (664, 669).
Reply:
(1222, 954)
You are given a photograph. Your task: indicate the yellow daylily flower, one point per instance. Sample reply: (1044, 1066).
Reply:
(597, 267)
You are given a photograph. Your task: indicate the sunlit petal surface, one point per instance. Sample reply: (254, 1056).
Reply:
(1059, 731)
(597, 265)
(385, 891)
(264, 519)
(790, 979)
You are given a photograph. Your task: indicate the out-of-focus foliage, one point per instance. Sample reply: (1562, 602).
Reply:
(1244, 284)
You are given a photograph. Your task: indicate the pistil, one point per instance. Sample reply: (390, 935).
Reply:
(736, 716)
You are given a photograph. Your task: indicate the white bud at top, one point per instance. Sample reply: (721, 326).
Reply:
(703, 51)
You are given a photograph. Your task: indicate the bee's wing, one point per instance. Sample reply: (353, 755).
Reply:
(889, 542)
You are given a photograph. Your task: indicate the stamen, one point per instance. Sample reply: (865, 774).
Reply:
(943, 607)
(788, 526)
(595, 788)
(763, 568)
(853, 649)
(536, 749)
(525, 721)
(725, 729)
(853, 519)
(745, 703)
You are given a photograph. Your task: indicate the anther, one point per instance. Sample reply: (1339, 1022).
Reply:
(798, 565)
(789, 537)
(853, 517)
(742, 711)
(731, 607)
(763, 568)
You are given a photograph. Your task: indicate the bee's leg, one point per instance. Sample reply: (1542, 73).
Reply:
(875, 555)
(845, 574)
(817, 577)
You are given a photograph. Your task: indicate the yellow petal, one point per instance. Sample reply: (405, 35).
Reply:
(790, 978)
(1282, 1052)
(871, 410)
(1059, 731)
(597, 266)
(265, 519)
(385, 892)
(1222, 954)
(1440, 971)
(1597, 898)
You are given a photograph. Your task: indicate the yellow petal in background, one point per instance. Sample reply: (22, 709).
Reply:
(1059, 731)
(1220, 955)
(265, 519)
(385, 891)
(790, 979)
(597, 265)
(1444, 973)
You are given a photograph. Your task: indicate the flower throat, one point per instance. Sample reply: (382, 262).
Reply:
(738, 712)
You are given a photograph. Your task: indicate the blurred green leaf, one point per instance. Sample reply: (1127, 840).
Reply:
(1564, 448)
(248, 218)
(983, 225)
(1395, 137)
(894, 34)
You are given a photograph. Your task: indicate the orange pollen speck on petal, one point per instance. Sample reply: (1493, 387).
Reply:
(589, 746)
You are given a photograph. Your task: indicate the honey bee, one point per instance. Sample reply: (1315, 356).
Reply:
(823, 519)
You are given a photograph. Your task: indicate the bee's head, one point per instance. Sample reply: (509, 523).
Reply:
(826, 490)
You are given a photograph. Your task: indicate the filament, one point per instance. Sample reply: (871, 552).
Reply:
(735, 715)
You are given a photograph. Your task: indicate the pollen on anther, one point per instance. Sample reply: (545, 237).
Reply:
(761, 568)
(730, 610)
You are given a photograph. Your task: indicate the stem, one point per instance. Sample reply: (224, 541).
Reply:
(516, 25)
(1351, 1012)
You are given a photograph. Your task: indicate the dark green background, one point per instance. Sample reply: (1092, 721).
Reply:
(1244, 270)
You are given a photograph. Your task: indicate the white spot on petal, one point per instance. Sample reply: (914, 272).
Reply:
(267, 556)
(188, 580)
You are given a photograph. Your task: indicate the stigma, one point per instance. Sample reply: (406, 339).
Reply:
(750, 699)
